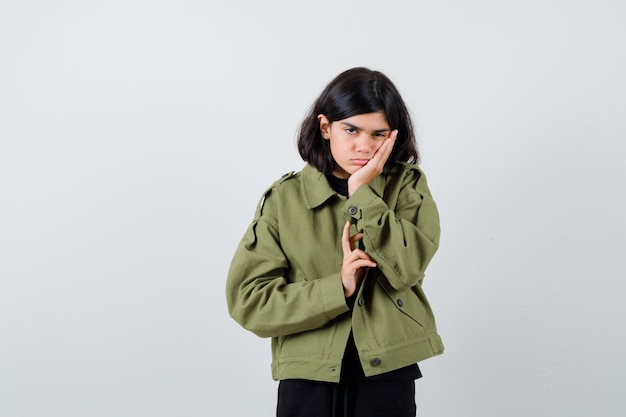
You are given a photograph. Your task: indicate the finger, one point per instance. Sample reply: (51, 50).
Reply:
(355, 239)
(359, 254)
(358, 236)
(345, 240)
(383, 152)
(352, 268)
(387, 147)
(363, 263)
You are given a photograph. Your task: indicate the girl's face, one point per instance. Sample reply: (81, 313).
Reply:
(354, 140)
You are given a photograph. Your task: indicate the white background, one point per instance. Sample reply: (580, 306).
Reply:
(136, 138)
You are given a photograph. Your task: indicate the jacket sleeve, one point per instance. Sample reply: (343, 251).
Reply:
(401, 240)
(260, 295)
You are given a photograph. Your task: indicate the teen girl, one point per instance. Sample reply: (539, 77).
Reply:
(331, 267)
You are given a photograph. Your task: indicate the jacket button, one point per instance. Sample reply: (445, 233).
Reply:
(400, 302)
(376, 362)
(352, 210)
(361, 301)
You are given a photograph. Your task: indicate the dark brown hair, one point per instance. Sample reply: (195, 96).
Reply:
(353, 92)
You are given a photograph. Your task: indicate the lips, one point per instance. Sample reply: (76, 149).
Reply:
(360, 161)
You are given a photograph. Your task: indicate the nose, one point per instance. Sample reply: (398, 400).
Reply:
(365, 144)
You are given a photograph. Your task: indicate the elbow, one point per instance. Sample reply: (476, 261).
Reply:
(244, 319)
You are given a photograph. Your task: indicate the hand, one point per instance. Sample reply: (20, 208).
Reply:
(355, 261)
(374, 167)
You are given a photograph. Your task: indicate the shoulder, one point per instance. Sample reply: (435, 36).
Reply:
(416, 180)
(406, 172)
(409, 168)
(409, 178)
(286, 181)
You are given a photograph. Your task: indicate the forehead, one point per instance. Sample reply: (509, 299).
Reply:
(367, 121)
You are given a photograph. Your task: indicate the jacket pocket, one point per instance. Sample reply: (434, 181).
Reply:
(406, 302)
(309, 343)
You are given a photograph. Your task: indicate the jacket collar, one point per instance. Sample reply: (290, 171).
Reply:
(316, 189)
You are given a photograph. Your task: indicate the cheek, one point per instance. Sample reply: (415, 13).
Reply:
(339, 145)
(335, 150)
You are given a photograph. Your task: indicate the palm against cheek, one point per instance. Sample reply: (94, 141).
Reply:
(374, 167)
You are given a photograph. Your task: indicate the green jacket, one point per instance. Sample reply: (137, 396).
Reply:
(285, 278)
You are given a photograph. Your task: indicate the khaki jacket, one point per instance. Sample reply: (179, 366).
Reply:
(285, 278)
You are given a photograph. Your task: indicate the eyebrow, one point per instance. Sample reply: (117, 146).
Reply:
(350, 125)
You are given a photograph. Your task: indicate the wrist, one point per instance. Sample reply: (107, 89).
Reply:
(353, 187)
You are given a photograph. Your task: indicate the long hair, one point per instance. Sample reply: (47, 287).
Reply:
(353, 92)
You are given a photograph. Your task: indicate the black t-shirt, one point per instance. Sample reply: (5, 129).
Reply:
(351, 368)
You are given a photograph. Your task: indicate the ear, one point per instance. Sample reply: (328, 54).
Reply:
(324, 126)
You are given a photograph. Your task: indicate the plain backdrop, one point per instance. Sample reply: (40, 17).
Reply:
(136, 138)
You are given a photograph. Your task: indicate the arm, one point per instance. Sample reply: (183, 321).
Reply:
(262, 298)
(401, 241)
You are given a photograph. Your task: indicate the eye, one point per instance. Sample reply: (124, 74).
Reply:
(350, 130)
